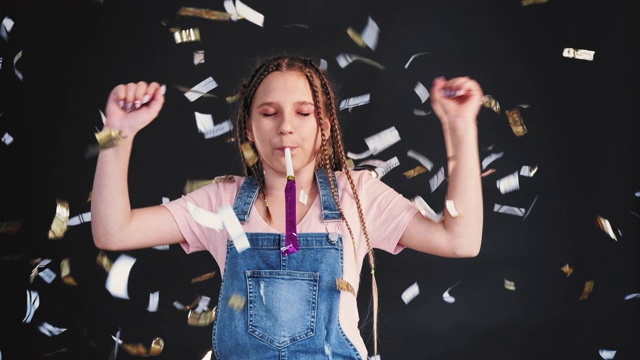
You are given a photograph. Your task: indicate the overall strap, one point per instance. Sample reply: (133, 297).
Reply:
(245, 198)
(330, 211)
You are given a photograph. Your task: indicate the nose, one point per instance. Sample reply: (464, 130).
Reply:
(286, 125)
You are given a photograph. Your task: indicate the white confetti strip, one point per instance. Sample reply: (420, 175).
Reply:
(249, 13)
(426, 210)
(118, 278)
(154, 301)
(205, 217)
(50, 330)
(509, 183)
(446, 296)
(607, 354)
(80, 219)
(352, 102)
(451, 208)
(33, 302)
(410, 293)
(234, 228)
(7, 139)
(201, 88)
(490, 158)
(580, 54)
(423, 160)
(406, 66)
(370, 34)
(422, 92)
(437, 179)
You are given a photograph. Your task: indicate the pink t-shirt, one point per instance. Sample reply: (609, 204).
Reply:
(386, 213)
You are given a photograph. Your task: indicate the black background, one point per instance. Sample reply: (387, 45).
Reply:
(581, 118)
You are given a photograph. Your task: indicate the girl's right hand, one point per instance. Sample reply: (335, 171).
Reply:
(132, 106)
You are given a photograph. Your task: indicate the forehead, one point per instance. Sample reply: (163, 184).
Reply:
(283, 86)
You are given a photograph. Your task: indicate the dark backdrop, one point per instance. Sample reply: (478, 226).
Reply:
(61, 58)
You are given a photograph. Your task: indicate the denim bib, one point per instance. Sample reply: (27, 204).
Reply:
(275, 306)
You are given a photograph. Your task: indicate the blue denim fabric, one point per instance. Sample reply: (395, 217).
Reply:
(291, 301)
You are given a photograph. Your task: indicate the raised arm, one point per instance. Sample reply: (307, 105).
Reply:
(115, 226)
(457, 103)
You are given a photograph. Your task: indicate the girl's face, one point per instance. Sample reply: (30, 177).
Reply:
(283, 115)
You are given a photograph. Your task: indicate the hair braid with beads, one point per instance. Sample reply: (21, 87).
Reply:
(332, 157)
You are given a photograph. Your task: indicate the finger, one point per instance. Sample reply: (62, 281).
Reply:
(130, 96)
(150, 92)
(118, 95)
(140, 92)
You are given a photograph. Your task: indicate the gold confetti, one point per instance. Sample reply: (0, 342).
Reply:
(488, 172)
(343, 285)
(191, 185)
(187, 35)
(250, 156)
(236, 302)
(140, 350)
(509, 285)
(233, 98)
(491, 103)
(586, 291)
(516, 122)
(103, 260)
(204, 13)
(108, 138)
(530, 2)
(567, 269)
(10, 227)
(415, 171)
(355, 36)
(65, 272)
(202, 318)
(59, 224)
(203, 277)
(350, 164)
(605, 226)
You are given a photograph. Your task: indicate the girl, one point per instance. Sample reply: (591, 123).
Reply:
(279, 302)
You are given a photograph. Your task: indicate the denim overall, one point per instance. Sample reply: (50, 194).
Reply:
(275, 306)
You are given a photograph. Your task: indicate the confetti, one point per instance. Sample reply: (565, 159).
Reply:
(80, 219)
(579, 54)
(567, 269)
(490, 158)
(193, 184)
(378, 142)
(352, 102)
(406, 66)
(516, 122)
(117, 282)
(140, 350)
(234, 229)
(423, 160)
(489, 102)
(205, 217)
(187, 35)
(303, 197)
(103, 261)
(5, 28)
(447, 297)
(108, 138)
(65, 272)
(528, 171)
(59, 224)
(236, 302)
(586, 291)
(368, 37)
(509, 183)
(425, 209)
(198, 57)
(33, 303)
(451, 208)
(344, 285)
(530, 2)
(415, 171)
(605, 226)
(210, 130)
(203, 13)
(10, 227)
(436, 180)
(345, 59)
(509, 285)
(248, 13)
(202, 318)
(422, 92)
(410, 293)
(201, 88)
(203, 277)
(249, 155)
(607, 354)
(50, 330)
(488, 172)
(511, 210)
(632, 296)
(7, 139)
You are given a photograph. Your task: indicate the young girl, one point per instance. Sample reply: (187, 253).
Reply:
(279, 301)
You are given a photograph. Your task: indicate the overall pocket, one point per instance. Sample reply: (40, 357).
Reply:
(282, 305)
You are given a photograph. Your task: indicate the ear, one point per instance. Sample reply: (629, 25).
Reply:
(249, 131)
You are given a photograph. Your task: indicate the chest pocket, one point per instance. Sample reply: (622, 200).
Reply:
(282, 305)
